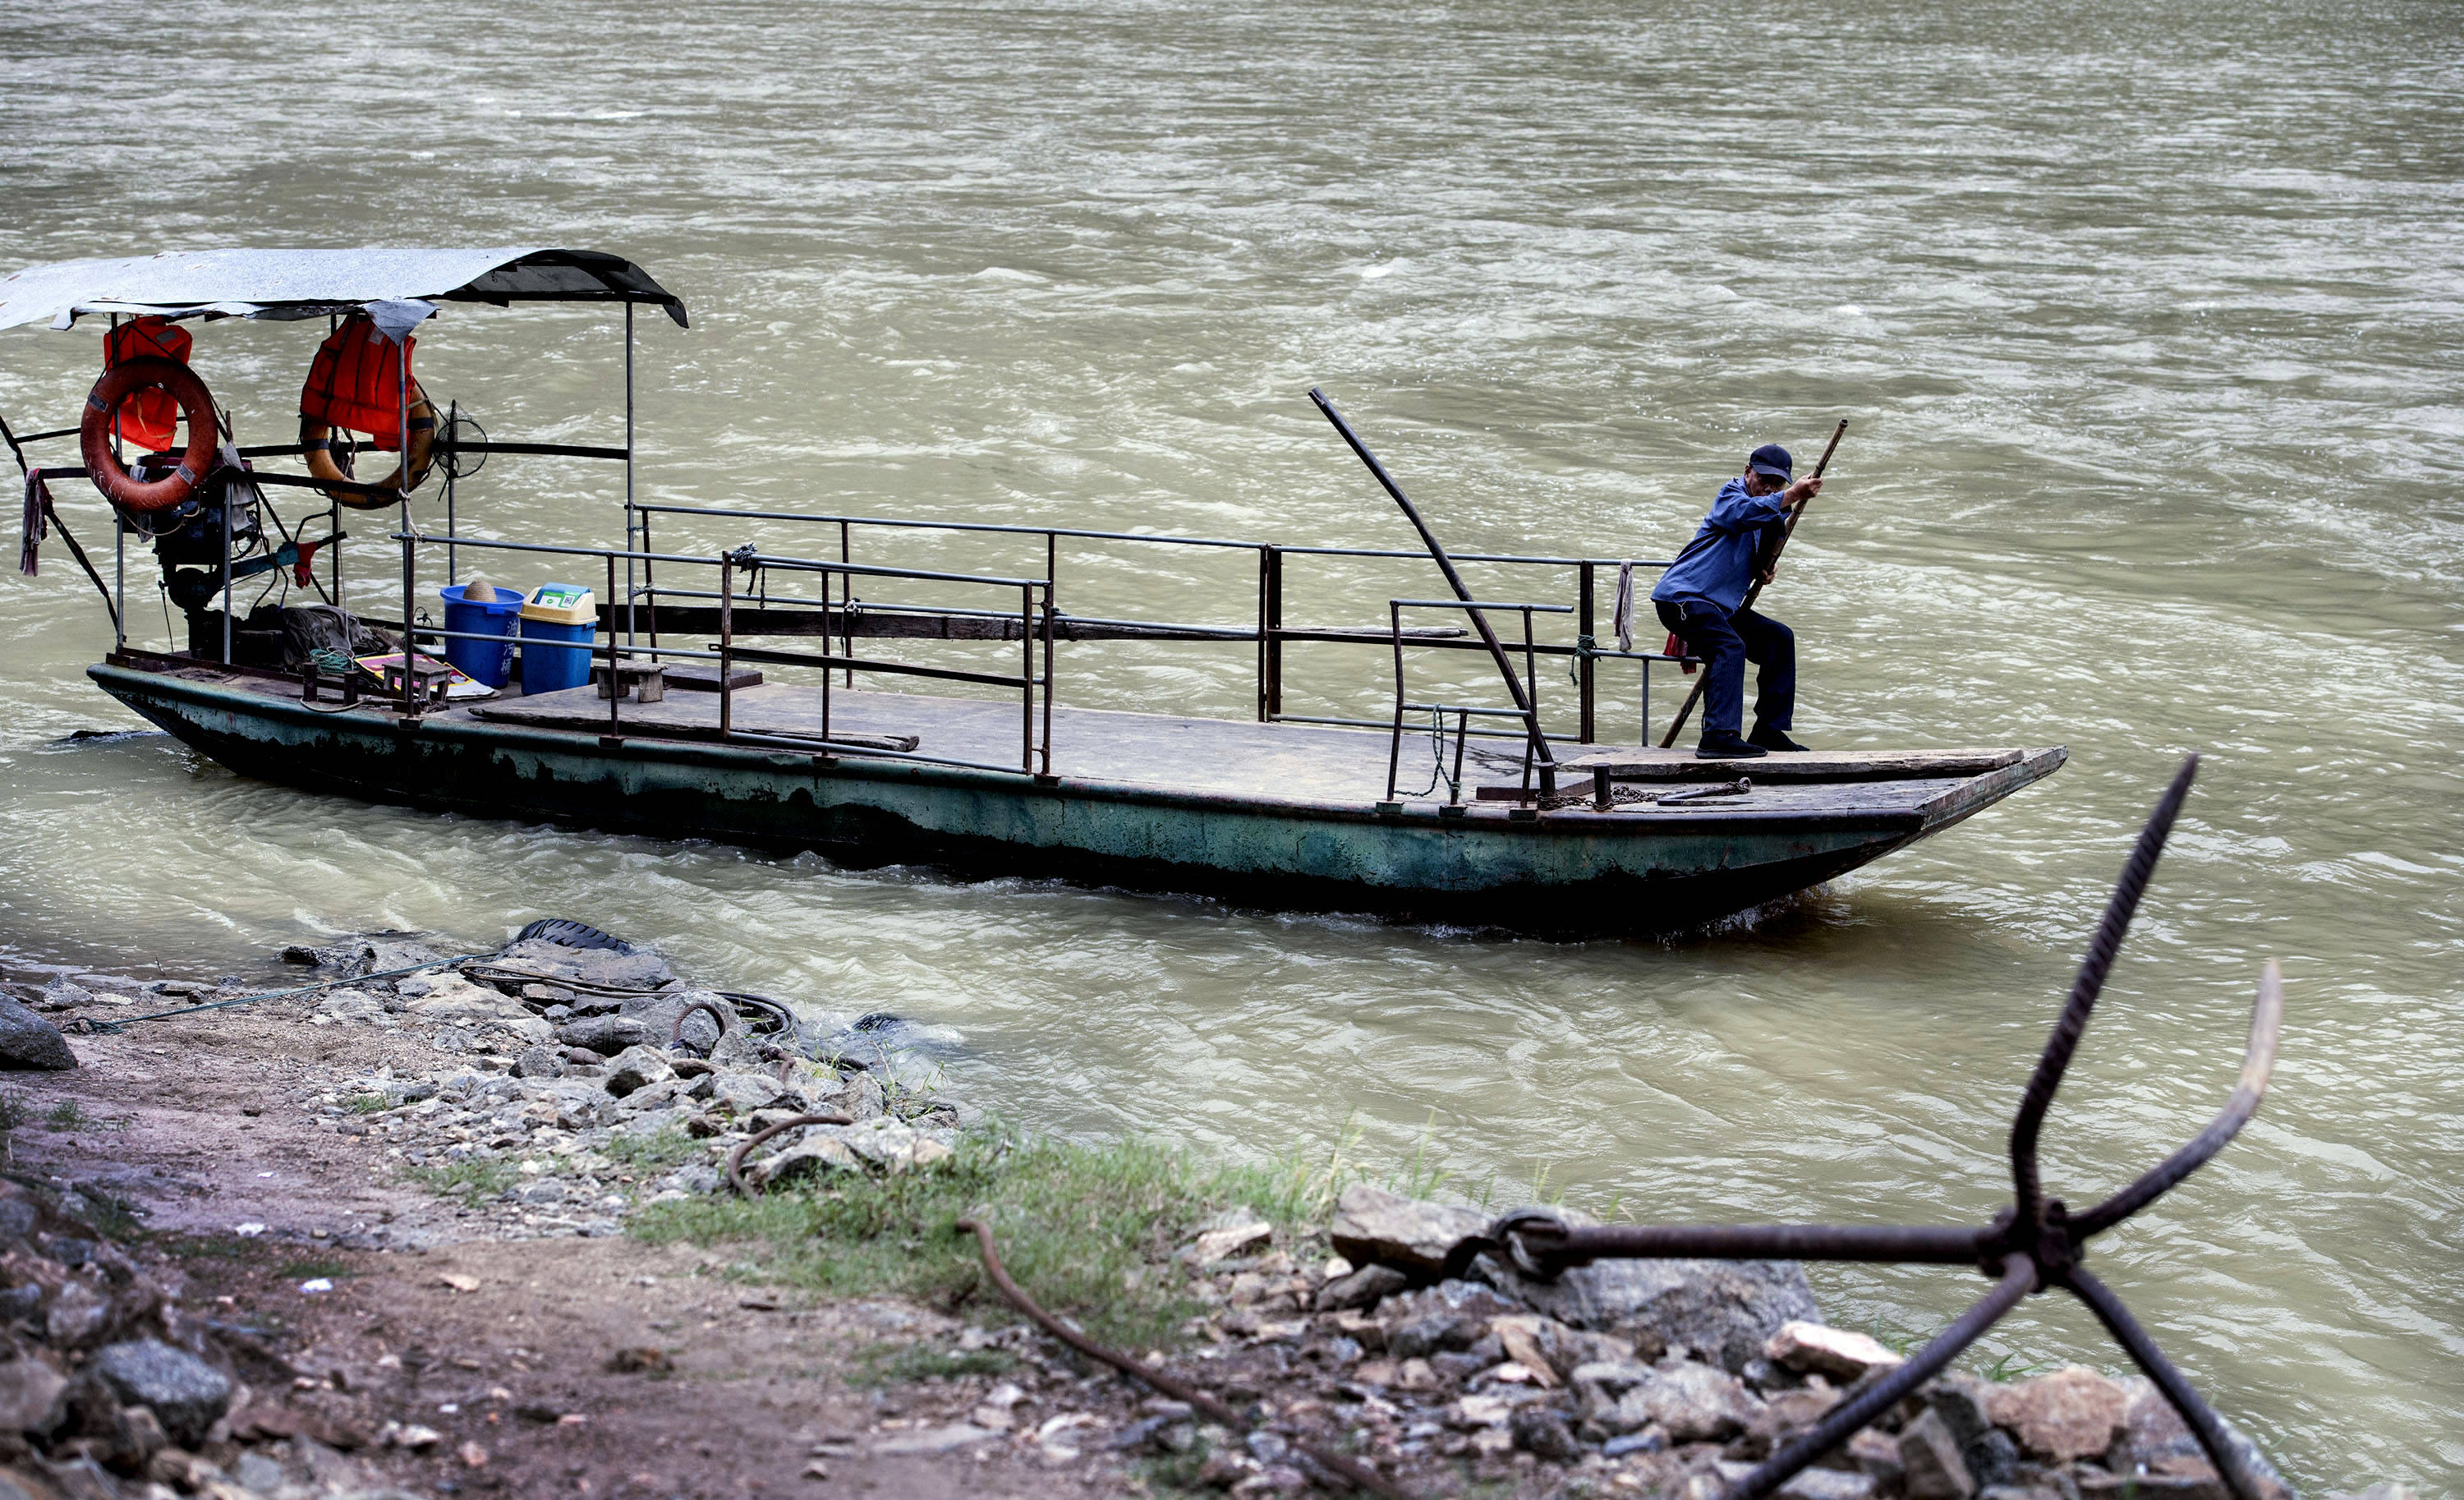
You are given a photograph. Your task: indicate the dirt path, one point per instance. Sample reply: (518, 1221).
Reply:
(567, 1366)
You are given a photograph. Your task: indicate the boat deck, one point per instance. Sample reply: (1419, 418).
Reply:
(1293, 765)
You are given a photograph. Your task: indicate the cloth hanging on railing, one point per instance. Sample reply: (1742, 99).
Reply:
(38, 502)
(1621, 614)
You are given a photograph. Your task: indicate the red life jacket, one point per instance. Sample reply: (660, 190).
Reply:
(148, 418)
(355, 382)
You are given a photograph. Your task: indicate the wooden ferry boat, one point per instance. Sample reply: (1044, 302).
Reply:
(683, 734)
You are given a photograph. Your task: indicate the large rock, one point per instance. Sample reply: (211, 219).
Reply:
(1372, 1225)
(1450, 1316)
(637, 1067)
(892, 1145)
(381, 953)
(1694, 1402)
(353, 1006)
(30, 1394)
(1364, 1288)
(856, 1095)
(30, 1042)
(1931, 1460)
(639, 970)
(1818, 1349)
(1991, 1454)
(449, 996)
(2155, 1435)
(814, 1155)
(1723, 1311)
(2069, 1414)
(742, 1093)
(607, 1035)
(187, 1393)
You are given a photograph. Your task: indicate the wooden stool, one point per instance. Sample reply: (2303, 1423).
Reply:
(427, 682)
(647, 681)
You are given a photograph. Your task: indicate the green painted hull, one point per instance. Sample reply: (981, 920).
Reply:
(1564, 873)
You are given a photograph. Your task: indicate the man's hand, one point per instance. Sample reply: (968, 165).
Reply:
(1764, 577)
(1802, 491)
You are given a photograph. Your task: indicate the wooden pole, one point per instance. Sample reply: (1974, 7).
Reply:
(1797, 514)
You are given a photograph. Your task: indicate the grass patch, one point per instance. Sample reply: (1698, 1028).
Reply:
(894, 1364)
(479, 1179)
(65, 1115)
(2011, 1367)
(658, 1152)
(312, 1269)
(367, 1103)
(1080, 1226)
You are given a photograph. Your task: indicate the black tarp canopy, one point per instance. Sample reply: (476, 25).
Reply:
(285, 284)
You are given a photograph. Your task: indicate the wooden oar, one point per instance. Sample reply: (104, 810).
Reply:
(1795, 514)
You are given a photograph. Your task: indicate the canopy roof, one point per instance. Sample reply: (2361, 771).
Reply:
(284, 284)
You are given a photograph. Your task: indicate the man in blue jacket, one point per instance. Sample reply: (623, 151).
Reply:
(1702, 596)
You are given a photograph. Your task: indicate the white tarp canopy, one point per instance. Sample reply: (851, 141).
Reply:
(309, 283)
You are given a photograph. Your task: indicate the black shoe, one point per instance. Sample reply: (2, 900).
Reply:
(1727, 747)
(1770, 739)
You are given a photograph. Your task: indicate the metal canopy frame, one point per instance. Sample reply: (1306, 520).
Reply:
(287, 285)
(292, 285)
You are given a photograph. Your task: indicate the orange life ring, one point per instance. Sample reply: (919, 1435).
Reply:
(147, 372)
(317, 444)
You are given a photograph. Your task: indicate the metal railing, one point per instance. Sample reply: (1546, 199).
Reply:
(1033, 681)
(1529, 714)
(1269, 631)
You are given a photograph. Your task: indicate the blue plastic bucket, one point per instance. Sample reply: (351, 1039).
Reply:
(486, 662)
(557, 612)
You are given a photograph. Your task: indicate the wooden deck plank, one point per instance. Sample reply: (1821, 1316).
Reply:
(1651, 763)
(1269, 763)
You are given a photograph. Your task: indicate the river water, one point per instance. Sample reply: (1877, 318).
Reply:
(2147, 321)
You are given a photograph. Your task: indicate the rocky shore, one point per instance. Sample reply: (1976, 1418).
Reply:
(569, 1083)
(469, 1126)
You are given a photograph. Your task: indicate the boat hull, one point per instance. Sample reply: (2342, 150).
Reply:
(1573, 873)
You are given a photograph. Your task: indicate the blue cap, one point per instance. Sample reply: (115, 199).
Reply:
(1772, 459)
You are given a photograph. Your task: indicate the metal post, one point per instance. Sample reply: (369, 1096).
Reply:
(226, 576)
(1026, 675)
(615, 688)
(1275, 632)
(453, 560)
(846, 590)
(1531, 696)
(1644, 738)
(1395, 743)
(409, 564)
(826, 641)
(1584, 685)
(118, 581)
(1048, 677)
(1051, 567)
(1262, 635)
(630, 548)
(726, 645)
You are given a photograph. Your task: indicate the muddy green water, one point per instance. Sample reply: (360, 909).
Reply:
(2148, 320)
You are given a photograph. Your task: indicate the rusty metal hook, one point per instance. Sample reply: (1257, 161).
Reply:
(2031, 1247)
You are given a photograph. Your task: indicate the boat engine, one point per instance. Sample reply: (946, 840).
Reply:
(188, 540)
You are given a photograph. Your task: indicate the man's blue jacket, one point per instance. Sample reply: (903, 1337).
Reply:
(1718, 564)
